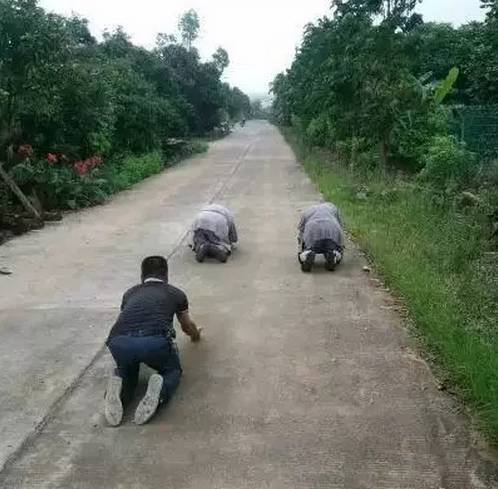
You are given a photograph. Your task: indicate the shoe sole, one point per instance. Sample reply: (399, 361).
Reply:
(218, 254)
(330, 263)
(307, 265)
(149, 404)
(113, 409)
(200, 256)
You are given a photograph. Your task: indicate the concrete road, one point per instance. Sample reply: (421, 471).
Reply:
(302, 381)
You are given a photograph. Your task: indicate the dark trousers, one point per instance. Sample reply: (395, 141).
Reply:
(323, 247)
(158, 352)
(204, 237)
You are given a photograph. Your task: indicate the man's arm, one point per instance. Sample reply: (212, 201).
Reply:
(189, 327)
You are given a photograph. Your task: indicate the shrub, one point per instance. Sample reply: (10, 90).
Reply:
(61, 186)
(320, 132)
(64, 184)
(413, 133)
(124, 173)
(447, 163)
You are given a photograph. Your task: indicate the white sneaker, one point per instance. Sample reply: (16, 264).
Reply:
(113, 408)
(149, 404)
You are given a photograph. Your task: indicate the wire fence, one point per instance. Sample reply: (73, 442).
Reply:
(477, 126)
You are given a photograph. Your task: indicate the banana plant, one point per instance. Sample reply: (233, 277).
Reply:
(446, 86)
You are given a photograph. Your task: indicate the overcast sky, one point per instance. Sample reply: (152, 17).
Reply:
(259, 35)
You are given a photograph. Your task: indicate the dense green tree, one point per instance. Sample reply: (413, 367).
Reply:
(238, 103)
(365, 78)
(221, 59)
(492, 9)
(395, 13)
(61, 90)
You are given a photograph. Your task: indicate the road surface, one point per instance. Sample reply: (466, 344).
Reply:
(302, 381)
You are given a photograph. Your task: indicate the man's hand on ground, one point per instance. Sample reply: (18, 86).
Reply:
(196, 337)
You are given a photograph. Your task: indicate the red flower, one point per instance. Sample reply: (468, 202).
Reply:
(52, 158)
(81, 168)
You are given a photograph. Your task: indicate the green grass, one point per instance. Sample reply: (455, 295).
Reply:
(435, 258)
(131, 170)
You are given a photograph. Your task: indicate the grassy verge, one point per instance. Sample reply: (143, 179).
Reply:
(435, 257)
(129, 170)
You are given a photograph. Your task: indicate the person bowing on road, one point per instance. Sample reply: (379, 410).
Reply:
(321, 232)
(214, 233)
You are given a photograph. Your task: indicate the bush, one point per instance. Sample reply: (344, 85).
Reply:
(447, 163)
(358, 154)
(129, 170)
(60, 186)
(320, 132)
(413, 133)
(84, 183)
(64, 184)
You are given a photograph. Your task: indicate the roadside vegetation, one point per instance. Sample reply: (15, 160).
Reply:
(81, 119)
(396, 120)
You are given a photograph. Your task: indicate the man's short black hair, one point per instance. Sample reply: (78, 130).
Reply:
(154, 266)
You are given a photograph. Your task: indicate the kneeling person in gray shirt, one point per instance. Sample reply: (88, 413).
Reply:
(214, 233)
(320, 232)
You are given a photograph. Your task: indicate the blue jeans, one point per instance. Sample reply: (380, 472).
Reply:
(158, 352)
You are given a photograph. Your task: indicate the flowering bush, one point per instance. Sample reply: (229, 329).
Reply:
(52, 158)
(83, 167)
(62, 183)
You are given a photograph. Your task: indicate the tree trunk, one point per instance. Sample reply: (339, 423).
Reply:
(18, 193)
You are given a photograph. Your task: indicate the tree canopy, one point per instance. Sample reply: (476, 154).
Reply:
(367, 77)
(62, 91)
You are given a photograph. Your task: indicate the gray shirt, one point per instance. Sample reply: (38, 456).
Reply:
(219, 220)
(322, 221)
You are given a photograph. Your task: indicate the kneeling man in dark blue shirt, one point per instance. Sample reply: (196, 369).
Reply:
(144, 333)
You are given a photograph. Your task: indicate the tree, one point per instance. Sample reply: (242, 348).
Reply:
(238, 104)
(221, 59)
(492, 9)
(189, 26)
(395, 13)
(351, 79)
(34, 51)
(61, 90)
(71, 106)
